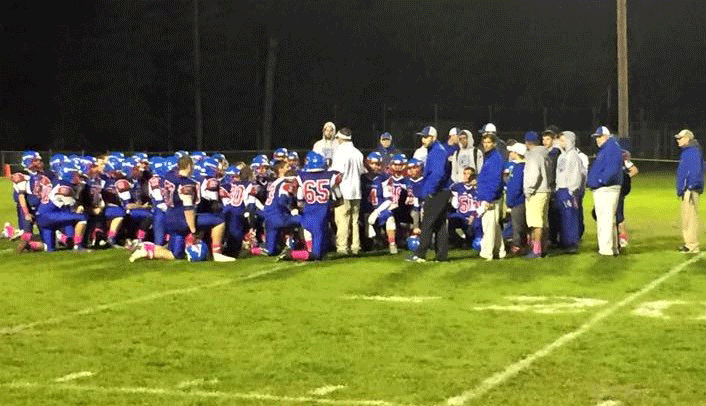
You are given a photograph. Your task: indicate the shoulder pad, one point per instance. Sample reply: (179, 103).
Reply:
(65, 191)
(122, 185)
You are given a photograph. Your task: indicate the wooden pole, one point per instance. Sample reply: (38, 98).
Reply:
(197, 79)
(623, 116)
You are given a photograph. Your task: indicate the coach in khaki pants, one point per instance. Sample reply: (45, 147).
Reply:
(605, 177)
(690, 184)
(348, 160)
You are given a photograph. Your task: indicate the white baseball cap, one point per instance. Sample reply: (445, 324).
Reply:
(518, 148)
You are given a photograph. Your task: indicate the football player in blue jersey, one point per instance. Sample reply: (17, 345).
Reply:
(116, 189)
(415, 182)
(278, 213)
(32, 194)
(465, 202)
(315, 191)
(372, 192)
(59, 212)
(181, 195)
(393, 211)
(235, 194)
(159, 207)
(293, 160)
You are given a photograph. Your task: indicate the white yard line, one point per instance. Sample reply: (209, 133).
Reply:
(325, 390)
(397, 299)
(610, 403)
(197, 394)
(197, 382)
(519, 366)
(153, 296)
(76, 375)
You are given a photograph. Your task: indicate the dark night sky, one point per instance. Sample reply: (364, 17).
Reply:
(112, 74)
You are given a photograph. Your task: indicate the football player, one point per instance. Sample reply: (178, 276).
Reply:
(235, 194)
(414, 189)
(278, 213)
(315, 191)
(393, 211)
(466, 206)
(372, 191)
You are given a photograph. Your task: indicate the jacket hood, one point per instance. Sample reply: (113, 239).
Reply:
(471, 142)
(333, 126)
(693, 143)
(570, 140)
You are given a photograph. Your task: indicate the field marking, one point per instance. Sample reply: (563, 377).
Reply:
(325, 390)
(76, 375)
(197, 382)
(198, 394)
(656, 309)
(153, 296)
(396, 299)
(610, 403)
(514, 369)
(534, 304)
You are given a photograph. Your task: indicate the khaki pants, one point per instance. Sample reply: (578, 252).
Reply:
(347, 225)
(492, 243)
(690, 219)
(606, 202)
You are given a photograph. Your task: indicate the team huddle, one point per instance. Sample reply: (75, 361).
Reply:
(190, 204)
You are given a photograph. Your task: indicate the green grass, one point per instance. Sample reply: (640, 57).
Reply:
(294, 329)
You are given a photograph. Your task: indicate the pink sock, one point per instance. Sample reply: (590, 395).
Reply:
(309, 245)
(216, 249)
(36, 246)
(140, 235)
(255, 251)
(63, 238)
(111, 234)
(10, 230)
(26, 236)
(166, 237)
(149, 247)
(537, 247)
(78, 239)
(300, 255)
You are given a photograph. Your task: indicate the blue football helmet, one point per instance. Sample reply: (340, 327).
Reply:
(198, 156)
(399, 159)
(414, 162)
(374, 157)
(280, 154)
(197, 252)
(210, 167)
(56, 161)
(28, 157)
(219, 157)
(413, 243)
(69, 173)
(314, 162)
(293, 156)
(232, 171)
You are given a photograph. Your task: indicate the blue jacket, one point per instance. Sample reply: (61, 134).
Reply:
(490, 178)
(515, 193)
(690, 172)
(607, 169)
(437, 170)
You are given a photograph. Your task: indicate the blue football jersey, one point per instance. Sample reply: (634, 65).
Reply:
(315, 189)
(372, 187)
(279, 198)
(464, 199)
(176, 187)
(414, 190)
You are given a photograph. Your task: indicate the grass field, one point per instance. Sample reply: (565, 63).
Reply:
(93, 329)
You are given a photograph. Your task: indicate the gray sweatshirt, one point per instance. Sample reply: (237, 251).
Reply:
(466, 157)
(570, 173)
(538, 177)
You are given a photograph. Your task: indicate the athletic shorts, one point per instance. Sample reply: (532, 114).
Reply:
(536, 208)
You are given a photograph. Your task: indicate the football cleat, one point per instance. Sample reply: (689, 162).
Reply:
(222, 258)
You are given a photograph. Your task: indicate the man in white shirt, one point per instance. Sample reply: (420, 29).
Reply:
(326, 145)
(348, 160)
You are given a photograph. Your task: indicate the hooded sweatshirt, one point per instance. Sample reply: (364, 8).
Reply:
(569, 167)
(690, 172)
(326, 147)
(538, 178)
(466, 157)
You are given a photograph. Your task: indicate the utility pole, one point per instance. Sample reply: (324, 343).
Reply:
(623, 116)
(197, 79)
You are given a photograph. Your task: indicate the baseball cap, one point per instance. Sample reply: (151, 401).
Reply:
(684, 133)
(489, 128)
(343, 136)
(467, 133)
(518, 148)
(386, 136)
(427, 131)
(601, 131)
(531, 136)
(455, 131)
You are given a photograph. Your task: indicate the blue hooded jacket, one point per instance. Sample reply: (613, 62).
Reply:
(690, 172)
(607, 169)
(437, 170)
(490, 178)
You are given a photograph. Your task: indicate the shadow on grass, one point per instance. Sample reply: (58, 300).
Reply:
(648, 245)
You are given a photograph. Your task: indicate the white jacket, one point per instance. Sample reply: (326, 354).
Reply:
(348, 161)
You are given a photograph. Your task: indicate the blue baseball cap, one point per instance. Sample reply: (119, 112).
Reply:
(531, 136)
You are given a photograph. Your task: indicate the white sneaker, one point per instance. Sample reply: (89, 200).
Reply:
(393, 249)
(222, 258)
(140, 252)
